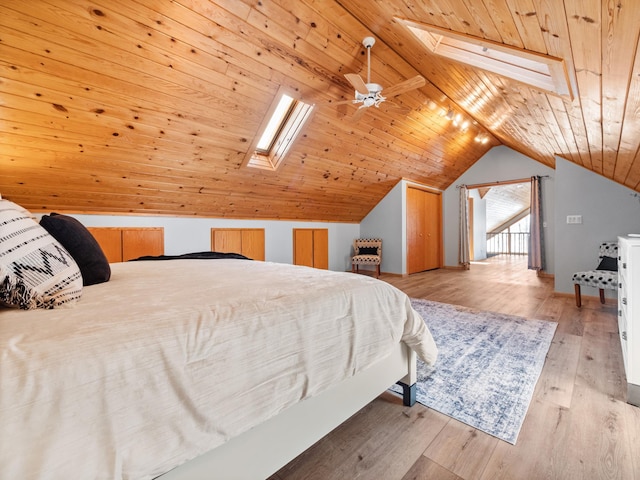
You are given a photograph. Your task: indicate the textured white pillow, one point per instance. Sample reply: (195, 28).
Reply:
(35, 270)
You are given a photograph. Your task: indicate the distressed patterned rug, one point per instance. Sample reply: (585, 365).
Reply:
(487, 368)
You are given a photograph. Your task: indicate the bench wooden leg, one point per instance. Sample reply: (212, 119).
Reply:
(578, 298)
(602, 296)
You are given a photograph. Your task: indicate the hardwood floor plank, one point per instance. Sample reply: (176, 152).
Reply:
(426, 469)
(558, 376)
(462, 449)
(539, 452)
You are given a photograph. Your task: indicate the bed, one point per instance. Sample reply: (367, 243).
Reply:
(185, 368)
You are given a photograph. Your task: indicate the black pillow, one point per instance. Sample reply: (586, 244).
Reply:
(368, 251)
(608, 263)
(82, 246)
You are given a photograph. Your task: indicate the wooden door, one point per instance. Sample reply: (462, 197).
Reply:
(424, 230)
(415, 231)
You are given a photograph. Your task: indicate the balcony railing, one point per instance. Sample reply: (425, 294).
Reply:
(508, 243)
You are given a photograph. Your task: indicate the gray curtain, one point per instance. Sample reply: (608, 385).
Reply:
(463, 252)
(536, 244)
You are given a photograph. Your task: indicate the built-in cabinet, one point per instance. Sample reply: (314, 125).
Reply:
(245, 241)
(629, 312)
(424, 230)
(311, 247)
(120, 244)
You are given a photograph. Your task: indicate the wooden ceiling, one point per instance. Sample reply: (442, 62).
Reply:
(150, 106)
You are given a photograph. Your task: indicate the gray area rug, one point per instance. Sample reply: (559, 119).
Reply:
(487, 368)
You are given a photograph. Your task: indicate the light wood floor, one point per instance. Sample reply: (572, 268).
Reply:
(578, 425)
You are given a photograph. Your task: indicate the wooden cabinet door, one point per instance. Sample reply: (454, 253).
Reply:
(120, 244)
(245, 241)
(424, 230)
(321, 248)
(138, 242)
(311, 247)
(110, 240)
(303, 247)
(226, 240)
(253, 243)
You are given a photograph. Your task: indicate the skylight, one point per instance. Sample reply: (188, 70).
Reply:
(282, 127)
(275, 124)
(535, 69)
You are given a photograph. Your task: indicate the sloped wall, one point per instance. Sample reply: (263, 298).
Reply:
(499, 164)
(608, 209)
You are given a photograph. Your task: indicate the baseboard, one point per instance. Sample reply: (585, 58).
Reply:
(633, 394)
(607, 301)
(543, 274)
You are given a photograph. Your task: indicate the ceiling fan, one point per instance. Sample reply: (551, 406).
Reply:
(371, 94)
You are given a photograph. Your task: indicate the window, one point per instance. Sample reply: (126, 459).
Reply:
(280, 129)
(541, 71)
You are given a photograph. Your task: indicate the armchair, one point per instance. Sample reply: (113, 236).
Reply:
(367, 251)
(605, 275)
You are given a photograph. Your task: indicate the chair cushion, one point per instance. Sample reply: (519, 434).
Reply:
(366, 260)
(597, 278)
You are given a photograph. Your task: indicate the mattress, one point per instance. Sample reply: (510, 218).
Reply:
(170, 359)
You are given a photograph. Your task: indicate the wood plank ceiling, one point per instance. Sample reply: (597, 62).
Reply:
(149, 107)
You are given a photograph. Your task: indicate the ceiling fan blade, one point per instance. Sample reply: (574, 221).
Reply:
(357, 82)
(415, 82)
(356, 116)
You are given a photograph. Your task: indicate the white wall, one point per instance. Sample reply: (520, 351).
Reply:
(608, 209)
(388, 221)
(183, 234)
(499, 164)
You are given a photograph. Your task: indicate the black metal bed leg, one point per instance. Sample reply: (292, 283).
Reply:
(408, 394)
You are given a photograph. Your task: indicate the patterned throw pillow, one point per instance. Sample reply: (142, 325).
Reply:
(35, 270)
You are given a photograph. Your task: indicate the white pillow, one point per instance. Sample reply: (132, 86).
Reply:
(35, 269)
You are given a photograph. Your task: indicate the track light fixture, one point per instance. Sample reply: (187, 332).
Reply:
(450, 114)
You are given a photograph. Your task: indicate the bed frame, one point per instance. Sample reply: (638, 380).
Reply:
(263, 450)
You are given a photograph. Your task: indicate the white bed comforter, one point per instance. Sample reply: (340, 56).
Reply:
(170, 359)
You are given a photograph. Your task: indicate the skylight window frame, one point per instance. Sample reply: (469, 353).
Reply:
(291, 125)
(543, 72)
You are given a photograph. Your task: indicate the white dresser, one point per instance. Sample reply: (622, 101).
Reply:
(629, 312)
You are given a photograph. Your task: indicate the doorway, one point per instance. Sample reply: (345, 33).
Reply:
(501, 213)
